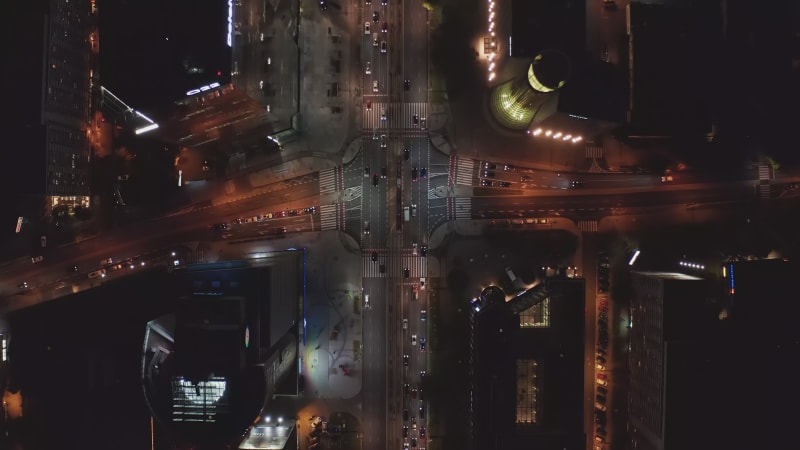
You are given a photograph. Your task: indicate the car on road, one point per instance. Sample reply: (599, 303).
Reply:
(413, 340)
(422, 344)
(423, 433)
(374, 256)
(407, 85)
(489, 173)
(490, 166)
(576, 184)
(422, 412)
(487, 183)
(405, 415)
(368, 69)
(423, 172)
(366, 28)
(220, 226)
(384, 2)
(384, 49)
(413, 174)
(108, 261)
(37, 259)
(375, 179)
(366, 171)
(505, 184)
(509, 168)
(384, 173)
(423, 251)
(98, 273)
(375, 86)
(383, 114)
(422, 283)
(405, 324)
(383, 141)
(23, 285)
(405, 431)
(369, 105)
(366, 231)
(600, 407)
(406, 154)
(405, 360)
(600, 398)
(602, 390)
(602, 382)
(602, 376)
(384, 27)
(376, 17)
(406, 273)
(601, 360)
(423, 315)
(366, 301)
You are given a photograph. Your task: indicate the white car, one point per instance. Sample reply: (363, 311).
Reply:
(413, 340)
(405, 324)
(422, 283)
(383, 114)
(366, 28)
(37, 259)
(368, 70)
(366, 301)
(375, 86)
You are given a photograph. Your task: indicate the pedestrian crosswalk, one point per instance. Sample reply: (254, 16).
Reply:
(594, 151)
(464, 170)
(764, 189)
(462, 208)
(328, 180)
(383, 115)
(329, 216)
(394, 265)
(587, 226)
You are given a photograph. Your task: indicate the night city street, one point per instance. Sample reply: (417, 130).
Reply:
(400, 225)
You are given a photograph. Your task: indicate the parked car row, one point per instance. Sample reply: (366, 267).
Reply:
(268, 215)
(602, 379)
(603, 269)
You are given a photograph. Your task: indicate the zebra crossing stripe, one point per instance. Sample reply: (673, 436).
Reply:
(463, 208)
(328, 216)
(464, 170)
(399, 116)
(327, 181)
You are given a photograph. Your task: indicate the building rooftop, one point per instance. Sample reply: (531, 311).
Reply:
(154, 52)
(529, 369)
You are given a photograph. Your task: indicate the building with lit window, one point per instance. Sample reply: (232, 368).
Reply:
(48, 100)
(210, 368)
(668, 372)
(528, 368)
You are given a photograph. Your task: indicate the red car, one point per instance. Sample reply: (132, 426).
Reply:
(369, 105)
(384, 27)
(602, 376)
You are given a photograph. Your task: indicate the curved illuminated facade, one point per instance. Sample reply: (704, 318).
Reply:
(528, 99)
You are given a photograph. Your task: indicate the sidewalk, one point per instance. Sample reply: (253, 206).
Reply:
(329, 353)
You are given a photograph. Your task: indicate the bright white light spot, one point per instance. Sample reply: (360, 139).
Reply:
(633, 258)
